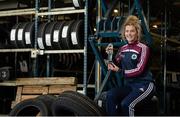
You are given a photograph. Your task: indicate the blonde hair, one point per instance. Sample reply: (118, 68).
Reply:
(133, 21)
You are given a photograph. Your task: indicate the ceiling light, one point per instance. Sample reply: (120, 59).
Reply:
(115, 11)
(94, 29)
(155, 26)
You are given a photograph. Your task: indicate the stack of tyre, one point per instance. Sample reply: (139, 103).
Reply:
(68, 103)
(50, 35)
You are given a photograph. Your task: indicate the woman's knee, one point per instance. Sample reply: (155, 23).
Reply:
(111, 94)
(124, 104)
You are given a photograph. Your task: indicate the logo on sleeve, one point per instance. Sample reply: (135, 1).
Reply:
(134, 56)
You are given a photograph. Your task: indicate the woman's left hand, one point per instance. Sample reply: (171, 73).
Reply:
(113, 67)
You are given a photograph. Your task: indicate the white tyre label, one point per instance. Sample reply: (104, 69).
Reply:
(13, 33)
(40, 43)
(74, 38)
(20, 34)
(27, 38)
(48, 39)
(56, 36)
(76, 3)
(64, 31)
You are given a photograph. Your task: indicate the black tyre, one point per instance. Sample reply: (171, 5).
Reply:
(4, 37)
(21, 35)
(57, 32)
(77, 34)
(66, 35)
(84, 100)
(30, 107)
(41, 35)
(13, 35)
(49, 35)
(66, 106)
(29, 35)
(48, 101)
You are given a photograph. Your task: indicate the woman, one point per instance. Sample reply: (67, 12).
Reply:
(132, 61)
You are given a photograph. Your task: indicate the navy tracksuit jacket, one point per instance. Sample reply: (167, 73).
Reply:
(132, 59)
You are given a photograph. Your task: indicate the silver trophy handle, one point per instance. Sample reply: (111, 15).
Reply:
(109, 51)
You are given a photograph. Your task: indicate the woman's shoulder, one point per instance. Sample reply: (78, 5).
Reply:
(143, 45)
(124, 46)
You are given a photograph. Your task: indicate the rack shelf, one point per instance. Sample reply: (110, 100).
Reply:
(63, 51)
(43, 51)
(70, 11)
(17, 50)
(42, 11)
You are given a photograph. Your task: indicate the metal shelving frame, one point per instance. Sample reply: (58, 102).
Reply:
(48, 11)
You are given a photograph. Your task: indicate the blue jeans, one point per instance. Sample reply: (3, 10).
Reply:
(124, 99)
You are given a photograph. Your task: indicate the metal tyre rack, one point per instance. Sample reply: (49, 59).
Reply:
(48, 11)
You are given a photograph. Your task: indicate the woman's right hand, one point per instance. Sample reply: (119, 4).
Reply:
(109, 49)
(113, 67)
